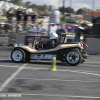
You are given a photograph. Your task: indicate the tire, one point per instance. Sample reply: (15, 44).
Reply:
(18, 55)
(73, 57)
(27, 57)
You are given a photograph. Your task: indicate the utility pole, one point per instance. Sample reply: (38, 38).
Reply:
(70, 3)
(58, 4)
(63, 9)
(93, 7)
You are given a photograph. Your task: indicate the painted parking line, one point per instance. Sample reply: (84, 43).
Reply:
(73, 71)
(52, 95)
(91, 62)
(37, 79)
(7, 66)
(58, 95)
(2, 87)
(81, 72)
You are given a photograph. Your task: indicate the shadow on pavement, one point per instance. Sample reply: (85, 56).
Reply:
(6, 61)
(48, 63)
(36, 62)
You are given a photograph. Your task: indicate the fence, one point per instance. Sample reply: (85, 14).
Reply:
(10, 38)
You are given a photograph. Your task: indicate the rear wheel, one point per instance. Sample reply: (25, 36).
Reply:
(18, 55)
(73, 57)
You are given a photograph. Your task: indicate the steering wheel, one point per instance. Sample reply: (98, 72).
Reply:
(38, 43)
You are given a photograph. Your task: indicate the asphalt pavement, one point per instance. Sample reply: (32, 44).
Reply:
(35, 81)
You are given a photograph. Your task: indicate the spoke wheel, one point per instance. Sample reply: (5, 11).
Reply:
(18, 55)
(73, 57)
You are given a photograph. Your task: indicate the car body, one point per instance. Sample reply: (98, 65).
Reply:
(71, 53)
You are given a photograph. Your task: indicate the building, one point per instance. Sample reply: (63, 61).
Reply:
(89, 15)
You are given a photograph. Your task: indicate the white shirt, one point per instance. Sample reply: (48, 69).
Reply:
(53, 35)
(53, 29)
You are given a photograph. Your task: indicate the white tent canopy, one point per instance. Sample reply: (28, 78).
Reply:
(7, 6)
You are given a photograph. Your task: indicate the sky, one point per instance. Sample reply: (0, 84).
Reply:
(76, 4)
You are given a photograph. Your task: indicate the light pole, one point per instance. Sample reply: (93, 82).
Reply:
(70, 3)
(93, 7)
(63, 9)
(58, 4)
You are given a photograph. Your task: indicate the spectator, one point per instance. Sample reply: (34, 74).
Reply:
(10, 14)
(19, 28)
(13, 27)
(19, 14)
(86, 32)
(79, 30)
(24, 12)
(34, 16)
(25, 18)
(33, 29)
(6, 28)
(42, 29)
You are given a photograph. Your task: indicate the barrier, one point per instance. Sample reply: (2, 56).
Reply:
(4, 39)
(93, 46)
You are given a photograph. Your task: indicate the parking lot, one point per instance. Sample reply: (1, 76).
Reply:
(34, 80)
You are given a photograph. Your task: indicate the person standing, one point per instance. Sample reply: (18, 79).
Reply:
(25, 18)
(19, 14)
(34, 16)
(10, 14)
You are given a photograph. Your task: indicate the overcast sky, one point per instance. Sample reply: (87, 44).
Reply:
(76, 4)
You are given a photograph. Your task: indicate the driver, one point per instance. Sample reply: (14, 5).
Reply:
(53, 40)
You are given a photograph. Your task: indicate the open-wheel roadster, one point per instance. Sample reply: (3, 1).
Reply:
(71, 53)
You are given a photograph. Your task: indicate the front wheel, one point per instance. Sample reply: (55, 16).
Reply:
(18, 55)
(73, 57)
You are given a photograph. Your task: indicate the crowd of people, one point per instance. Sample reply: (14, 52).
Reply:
(52, 28)
(22, 16)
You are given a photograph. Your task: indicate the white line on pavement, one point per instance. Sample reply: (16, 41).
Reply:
(55, 80)
(11, 77)
(73, 71)
(7, 66)
(78, 71)
(92, 62)
(57, 95)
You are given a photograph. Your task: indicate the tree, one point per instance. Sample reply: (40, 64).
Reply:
(27, 3)
(80, 11)
(69, 10)
(62, 9)
(17, 2)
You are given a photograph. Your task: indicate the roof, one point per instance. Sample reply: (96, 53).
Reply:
(94, 13)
